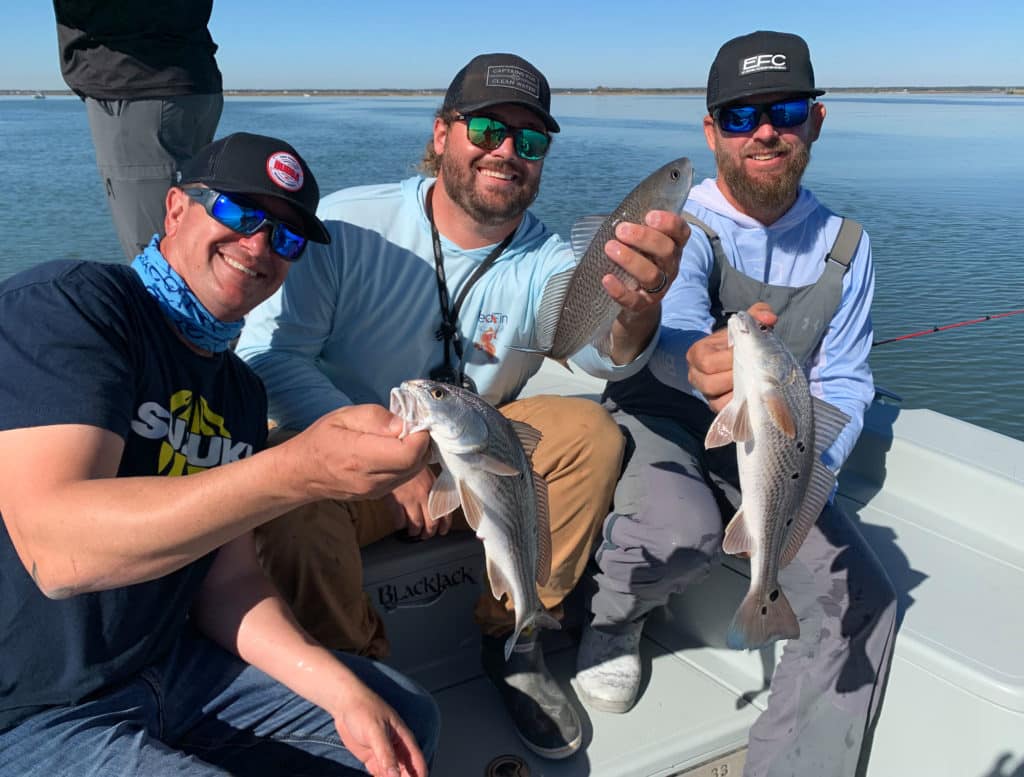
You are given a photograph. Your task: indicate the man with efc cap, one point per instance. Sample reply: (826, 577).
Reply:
(761, 245)
(359, 316)
(139, 632)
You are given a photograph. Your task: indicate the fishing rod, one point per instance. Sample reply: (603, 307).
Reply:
(935, 329)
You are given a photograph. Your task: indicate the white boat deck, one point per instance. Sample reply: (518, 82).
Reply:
(940, 502)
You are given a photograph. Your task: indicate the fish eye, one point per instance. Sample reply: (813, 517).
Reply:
(674, 175)
(763, 327)
(438, 393)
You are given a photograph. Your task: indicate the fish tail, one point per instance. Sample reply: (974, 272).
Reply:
(539, 618)
(761, 619)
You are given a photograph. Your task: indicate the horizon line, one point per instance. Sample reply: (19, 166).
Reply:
(554, 90)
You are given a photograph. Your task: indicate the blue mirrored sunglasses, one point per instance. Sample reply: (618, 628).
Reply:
(782, 114)
(487, 133)
(284, 241)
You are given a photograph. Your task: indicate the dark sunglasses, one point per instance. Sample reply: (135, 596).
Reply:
(246, 220)
(487, 133)
(744, 118)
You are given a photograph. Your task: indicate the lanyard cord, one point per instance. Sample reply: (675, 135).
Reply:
(449, 329)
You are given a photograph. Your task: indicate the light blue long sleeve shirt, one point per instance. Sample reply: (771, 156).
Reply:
(358, 316)
(789, 252)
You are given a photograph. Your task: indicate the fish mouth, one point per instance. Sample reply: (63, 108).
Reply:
(739, 324)
(403, 403)
(403, 406)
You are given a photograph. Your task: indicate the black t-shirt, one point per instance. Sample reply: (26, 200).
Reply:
(85, 343)
(125, 49)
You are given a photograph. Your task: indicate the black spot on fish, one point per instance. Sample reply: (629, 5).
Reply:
(789, 522)
(800, 446)
(764, 610)
(795, 476)
(773, 595)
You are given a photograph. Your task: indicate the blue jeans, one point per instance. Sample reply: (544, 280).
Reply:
(202, 711)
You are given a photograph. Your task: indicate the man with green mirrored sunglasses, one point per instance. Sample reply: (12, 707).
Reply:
(441, 275)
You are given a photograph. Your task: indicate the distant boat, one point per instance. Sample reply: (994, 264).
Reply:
(39, 96)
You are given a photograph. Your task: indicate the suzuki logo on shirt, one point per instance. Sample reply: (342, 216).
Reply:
(194, 436)
(762, 62)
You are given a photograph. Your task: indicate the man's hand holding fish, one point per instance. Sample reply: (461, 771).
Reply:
(410, 507)
(369, 466)
(710, 360)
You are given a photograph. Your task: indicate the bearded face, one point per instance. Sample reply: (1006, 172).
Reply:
(492, 191)
(771, 191)
(759, 171)
(494, 187)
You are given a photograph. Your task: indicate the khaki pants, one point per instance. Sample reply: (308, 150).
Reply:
(312, 553)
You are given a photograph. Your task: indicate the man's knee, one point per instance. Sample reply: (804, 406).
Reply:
(593, 434)
(577, 436)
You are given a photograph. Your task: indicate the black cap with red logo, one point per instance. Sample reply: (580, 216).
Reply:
(244, 163)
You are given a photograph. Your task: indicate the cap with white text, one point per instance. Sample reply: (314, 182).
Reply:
(762, 62)
(493, 79)
(243, 163)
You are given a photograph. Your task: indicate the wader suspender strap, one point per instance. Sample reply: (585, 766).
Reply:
(715, 278)
(846, 243)
(838, 258)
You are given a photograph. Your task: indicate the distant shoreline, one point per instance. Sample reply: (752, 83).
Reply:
(599, 90)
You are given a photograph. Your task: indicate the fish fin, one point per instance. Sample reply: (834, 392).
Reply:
(496, 579)
(549, 312)
(582, 233)
(444, 496)
(540, 490)
(529, 436)
(829, 422)
(822, 480)
(780, 412)
(759, 620)
(492, 465)
(732, 424)
(737, 537)
(472, 507)
(602, 339)
(540, 618)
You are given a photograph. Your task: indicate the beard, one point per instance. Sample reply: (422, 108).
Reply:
(773, 194)
(490, 208)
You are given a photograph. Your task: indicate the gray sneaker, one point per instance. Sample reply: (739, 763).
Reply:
(608, 667)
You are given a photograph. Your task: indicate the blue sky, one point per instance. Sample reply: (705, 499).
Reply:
(317, 44)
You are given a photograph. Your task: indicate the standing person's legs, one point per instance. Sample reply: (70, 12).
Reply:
(139, 144)
(663, 534)
(202, 712)
(826, 689)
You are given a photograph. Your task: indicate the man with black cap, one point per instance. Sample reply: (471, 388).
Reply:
(765, 244)
(443, 276)
(140, 634)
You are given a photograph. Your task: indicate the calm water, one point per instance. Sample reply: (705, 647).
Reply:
(937, 182)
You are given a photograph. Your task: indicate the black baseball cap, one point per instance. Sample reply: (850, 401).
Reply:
(760, 63)
(492, 79)
(244, 163)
